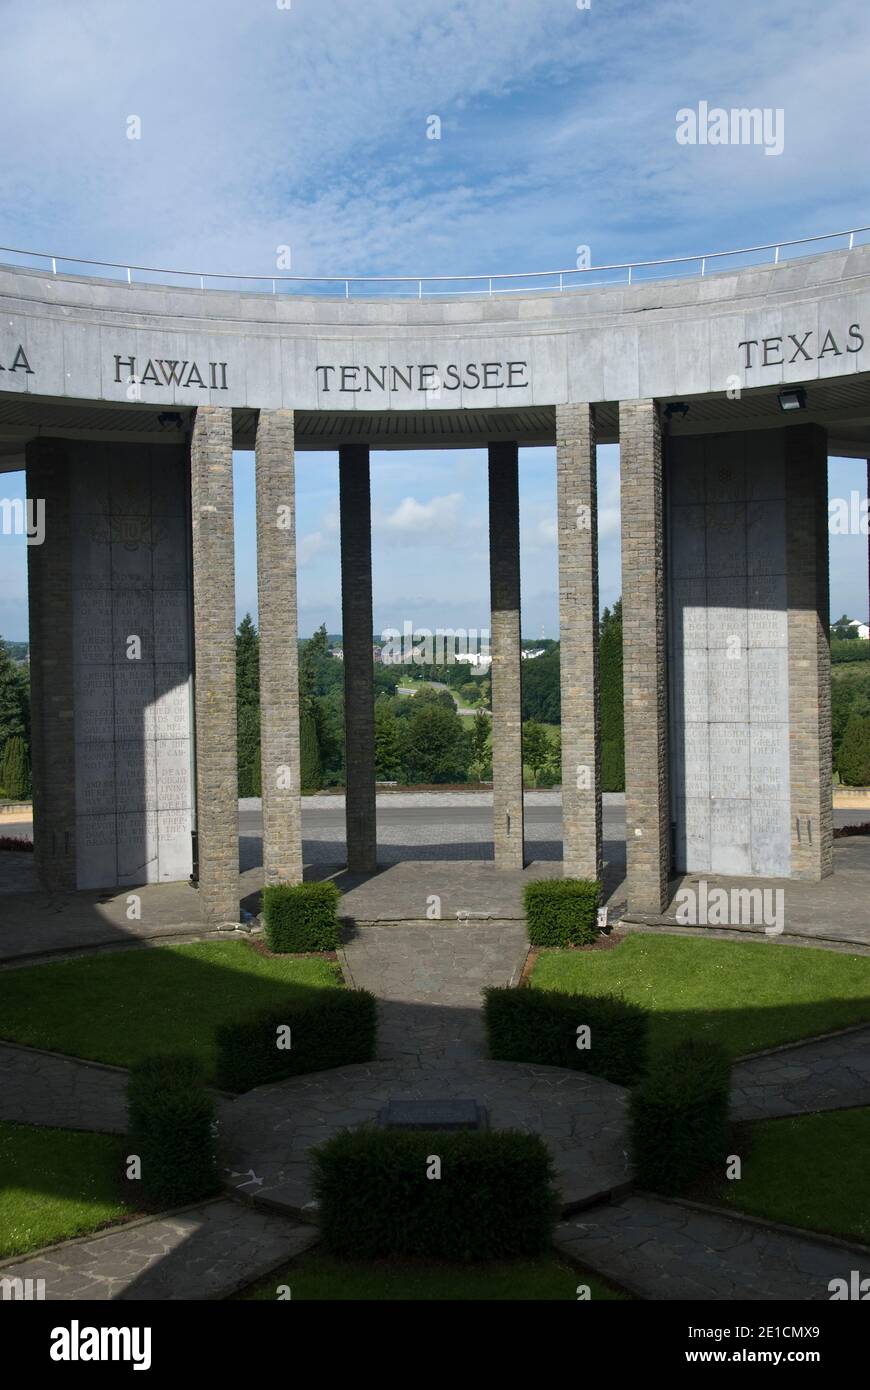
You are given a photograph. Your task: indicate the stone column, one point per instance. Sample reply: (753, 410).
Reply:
(577, 509)
(357, 621)
(279, 655)
(49, 582)
(214, 618)
(647, 818)
(809, 651)
(507, 700)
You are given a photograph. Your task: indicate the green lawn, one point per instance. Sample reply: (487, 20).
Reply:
(810, 1171)
(55, 1184)
(317, 1276)
(747, 995)
(121, 1007)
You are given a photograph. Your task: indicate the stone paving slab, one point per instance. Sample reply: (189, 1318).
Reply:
(205, 1252)
(827, 1074)
(42, 1088)
(664, 1251)
(266, 1135)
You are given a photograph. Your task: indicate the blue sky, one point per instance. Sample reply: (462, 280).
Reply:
(306, 126)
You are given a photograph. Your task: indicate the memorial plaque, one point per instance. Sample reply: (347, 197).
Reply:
(174, 785)
(730, 835)
(692, 838)
(726, 613)
(172, 701)
(137, 847)
(768, 611)
(690, 679)
(91, 553)
(768, 685)
(169, 551)
(134, 701)
(132, 616)
(771, 838)
(94, 703)
(92, 626)
(689, 613)
(171, 626)
(765, 465)
(765, 537)
(691, 749)
(168, 485)
(770, 762)
(725, 473)
(136, 775)
(688, 545)
(728, 688)
(96, 858)
(685, 471)
(95, 778)
(729, 761)
(130, 486)
(89, 487)
(726, 539)
(432, 1114)
(131, 552)
(175, 850)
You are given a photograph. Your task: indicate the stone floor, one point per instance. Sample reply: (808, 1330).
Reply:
(43, 1088)
(826, 1074)
(266, 1134)
(667, 1250)
(205, 1252)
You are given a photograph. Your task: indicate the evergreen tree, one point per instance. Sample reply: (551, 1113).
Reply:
(388, 753)
(479, 739)
(536, 746)
(435, 748)
(248, 706)
(14, 771)
(854, 759)
(610, 679)
(311, 767)
(14, 699)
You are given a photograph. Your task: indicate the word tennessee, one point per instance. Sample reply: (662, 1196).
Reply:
(474, 376)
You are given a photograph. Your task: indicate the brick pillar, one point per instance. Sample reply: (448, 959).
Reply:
(809, 652)
(356, 609)
(214, 620)
(577, 509)
(279, 655)
(507, 701)
(49, 583)
(647, 817)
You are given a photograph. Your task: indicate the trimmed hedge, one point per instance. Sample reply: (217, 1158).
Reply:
(679, 1116)
(172, 1129)
(538, 1025)
(301, 916)
(562, 911)
(495, 1198)
(328, 1028)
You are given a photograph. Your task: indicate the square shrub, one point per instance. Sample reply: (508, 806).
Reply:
(172, 1129)
(494, 1199)
(538, 1025)
(562, 911)
(301, 916)
(679, 1116)
(325, 1028)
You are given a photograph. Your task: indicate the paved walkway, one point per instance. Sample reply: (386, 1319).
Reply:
(828, 1074)
(40, 1088)
(663, 1250)
(206, 1252)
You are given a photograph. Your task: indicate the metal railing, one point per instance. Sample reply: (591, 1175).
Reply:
(572, 278)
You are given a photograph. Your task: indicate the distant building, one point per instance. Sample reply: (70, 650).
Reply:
(863, 629)
(480, 659)
(338, 653)
(529, 653)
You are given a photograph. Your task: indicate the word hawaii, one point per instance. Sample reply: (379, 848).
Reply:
(172, 373)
